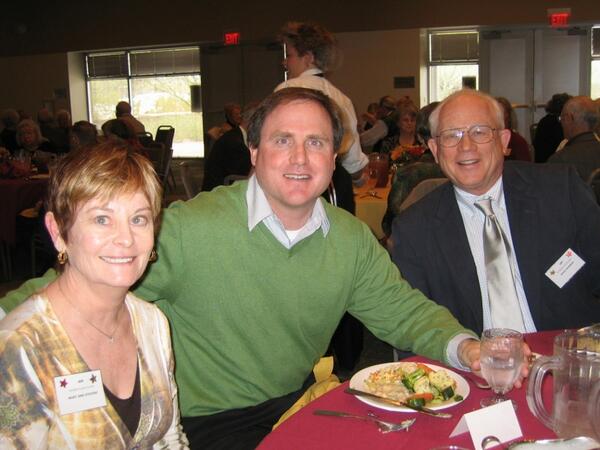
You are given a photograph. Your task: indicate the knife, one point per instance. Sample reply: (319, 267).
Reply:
(390, 401)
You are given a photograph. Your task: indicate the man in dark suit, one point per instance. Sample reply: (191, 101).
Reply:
(579, 117)
(546, 213)
(229, 155)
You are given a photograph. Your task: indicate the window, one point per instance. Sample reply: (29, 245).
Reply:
(157, 83)
(595, 84)
(453, 62)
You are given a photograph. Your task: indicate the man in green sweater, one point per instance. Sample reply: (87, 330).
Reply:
(255, 277)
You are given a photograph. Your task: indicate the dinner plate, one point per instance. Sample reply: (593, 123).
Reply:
(358, 382)
(39, 176)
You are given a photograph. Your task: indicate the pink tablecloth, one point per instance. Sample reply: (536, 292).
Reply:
(304, 430)
(15, 196)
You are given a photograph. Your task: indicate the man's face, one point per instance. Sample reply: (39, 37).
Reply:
(295, 64)
(470, 166)
(295, 159)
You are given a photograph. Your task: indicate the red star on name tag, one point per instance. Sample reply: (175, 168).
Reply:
(63, 383)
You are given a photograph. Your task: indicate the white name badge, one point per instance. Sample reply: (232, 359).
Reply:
(79, 392)
(565, 267)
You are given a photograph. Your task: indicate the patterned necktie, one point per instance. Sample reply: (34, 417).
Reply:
(502, 295)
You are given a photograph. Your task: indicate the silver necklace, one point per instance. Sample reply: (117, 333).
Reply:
(109, 336)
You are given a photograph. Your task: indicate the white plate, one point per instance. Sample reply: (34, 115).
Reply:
(39, 176)
(358, 382)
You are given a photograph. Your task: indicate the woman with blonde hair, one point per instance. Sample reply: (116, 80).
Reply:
(83, 362)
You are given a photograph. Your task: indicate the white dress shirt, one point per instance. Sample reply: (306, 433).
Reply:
(259, 210)
(473, 220)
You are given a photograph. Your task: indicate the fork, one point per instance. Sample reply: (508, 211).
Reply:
(384, 427)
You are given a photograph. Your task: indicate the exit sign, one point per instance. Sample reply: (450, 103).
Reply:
(559, 17)
(232, 38)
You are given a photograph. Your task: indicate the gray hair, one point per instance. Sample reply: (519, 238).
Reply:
(584, 111)
(496, 113)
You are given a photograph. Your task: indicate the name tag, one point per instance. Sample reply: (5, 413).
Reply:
(565, 267)
(79, 392)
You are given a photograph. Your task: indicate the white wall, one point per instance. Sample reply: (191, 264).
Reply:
(77, 86)
(371, 60)
(29, 82)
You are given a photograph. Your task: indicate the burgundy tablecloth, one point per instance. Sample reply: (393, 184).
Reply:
(15, 196)
(304, 430)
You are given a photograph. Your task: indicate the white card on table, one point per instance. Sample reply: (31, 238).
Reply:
(497, 420)
(564, 268)
(79, 392)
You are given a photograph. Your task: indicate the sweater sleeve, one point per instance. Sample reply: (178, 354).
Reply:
(17, 296)
(394, 311)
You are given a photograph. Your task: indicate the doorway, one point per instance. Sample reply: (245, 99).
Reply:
(528, 66)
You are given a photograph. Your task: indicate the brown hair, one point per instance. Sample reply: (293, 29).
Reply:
(289, 95)
(310, 37)
(101, 171)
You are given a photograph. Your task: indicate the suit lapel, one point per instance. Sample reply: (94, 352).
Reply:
(451, 238)
(523, 216)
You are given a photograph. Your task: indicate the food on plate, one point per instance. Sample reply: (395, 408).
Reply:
(414, 383)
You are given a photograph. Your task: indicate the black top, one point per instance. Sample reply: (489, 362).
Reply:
(129, 409)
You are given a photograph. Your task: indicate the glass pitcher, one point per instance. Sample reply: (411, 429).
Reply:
(575, 366)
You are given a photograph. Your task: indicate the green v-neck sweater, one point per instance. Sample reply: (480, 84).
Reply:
(249, 318)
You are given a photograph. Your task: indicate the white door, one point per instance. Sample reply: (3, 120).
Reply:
(528, 66)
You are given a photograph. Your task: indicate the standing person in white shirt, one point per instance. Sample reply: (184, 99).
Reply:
(310, 53)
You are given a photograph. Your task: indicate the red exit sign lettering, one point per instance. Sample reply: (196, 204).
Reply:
(232, 38)
(559, 17)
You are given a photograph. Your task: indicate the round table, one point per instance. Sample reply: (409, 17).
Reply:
(304, 430)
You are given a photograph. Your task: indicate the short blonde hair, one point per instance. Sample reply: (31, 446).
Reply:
(102, 171)
(31, 125)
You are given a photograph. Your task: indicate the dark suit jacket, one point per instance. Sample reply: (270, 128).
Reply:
(228, 156)
(582, 151)
(549, 209)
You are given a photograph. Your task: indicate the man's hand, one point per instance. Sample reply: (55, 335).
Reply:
(468, 354)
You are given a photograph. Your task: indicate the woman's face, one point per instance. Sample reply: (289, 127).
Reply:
(110, 241)
(28, 137)
(407, 124)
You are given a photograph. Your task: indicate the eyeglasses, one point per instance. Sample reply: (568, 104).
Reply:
(480, 134)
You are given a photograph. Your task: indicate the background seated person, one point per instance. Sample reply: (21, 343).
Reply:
(406, 144)
(579, 118)
(82, 134)
(32, 143)
(8, 135)
(123, 112)
(103, 210)
(518, 146)
(549, 133)
(230, 154)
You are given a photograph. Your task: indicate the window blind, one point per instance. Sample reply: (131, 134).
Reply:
(454, 47)
(596, 42)
(107, 65)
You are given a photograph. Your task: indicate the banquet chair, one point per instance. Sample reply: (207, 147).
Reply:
(164, 135)
(145, 139)
(189, 184)
(160, 157)
(421, 190)
(230, 179)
